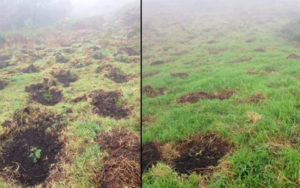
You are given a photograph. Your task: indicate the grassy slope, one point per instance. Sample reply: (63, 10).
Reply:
(263, 155)
(83, 125)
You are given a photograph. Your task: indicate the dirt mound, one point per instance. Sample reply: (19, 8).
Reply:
(117, 76)
(259, 50)
(293, 56)
(42, 93)
(150, 92)
(109, 104)
(120, 142)
(129, 51)
(195, 96)
(61, 58)
(4, 65)
(250, 40)
(30, 69)
(5, 57)
(118, 173)
(78, 64)
(157, 63)
(200, 152)
(253, 72)
(180, 75)
(122, 167)
(211, 42)
(64, 76)
(257, 97)
(151, 154)
(150, 74)
(217, 51)
(105, 67)
(241, 60)
(32, 146)
(98, 56)
(3, 84)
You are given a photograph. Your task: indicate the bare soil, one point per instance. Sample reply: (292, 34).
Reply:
(151, 154)
(117, 76)
(257, 97)
(64, 76)
(157, 63)
(293, 56)
(30, 69)
(43, 94)
(31, 128)
(109, 104)
(150, 92)
(200, 152)
(150, 74)
(122, 166)
(3, 84)
(180, 75)
(195, 96)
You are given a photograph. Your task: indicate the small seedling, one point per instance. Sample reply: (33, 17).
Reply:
(35, 153)
(118, 102)
(47, 96)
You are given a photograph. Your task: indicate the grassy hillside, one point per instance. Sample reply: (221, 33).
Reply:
(61, 88)
(221, 99)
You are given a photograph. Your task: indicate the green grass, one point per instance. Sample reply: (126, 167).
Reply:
(265, 153)
(83, 155)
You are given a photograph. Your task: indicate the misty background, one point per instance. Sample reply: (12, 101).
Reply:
(22, 13)
(279, 16)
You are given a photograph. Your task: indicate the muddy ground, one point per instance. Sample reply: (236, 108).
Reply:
(32, 146)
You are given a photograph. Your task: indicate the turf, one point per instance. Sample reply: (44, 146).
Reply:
(82, 155)
(265, 134)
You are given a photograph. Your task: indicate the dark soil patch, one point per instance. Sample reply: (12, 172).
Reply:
(151, 154)
(150, 74)
(253, 72)
(180, 75)
(257, 97)
(3, 84)
(6, 123)
(216, 51)
(200, 152)
(241, 60)
(68, 50)
(98, 56)
(64, 76)
(109, 104)
(195, 96)
(120, 143)
(293, 56)
(259, 50)
(250, 40)
(129, 51)
(117, 76)
(30, 69)
(80, 99)
(5, 57)
(31, 131)
(157, 63)
(211, 42)
(122, 167)
(118, 173)
(42, 93)
(79, 64)
(150, 92)
(4, 65)
(105, 67)
(61, 58)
